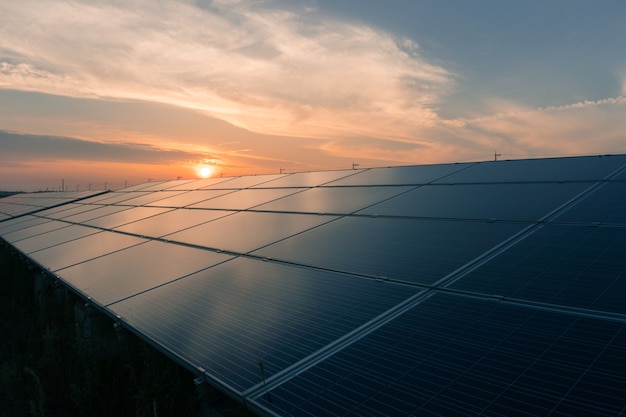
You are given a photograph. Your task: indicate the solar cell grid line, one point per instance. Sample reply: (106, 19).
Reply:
(402, 175)
(589, 168)
(332, 200)
(571, 266)
(434, 382)
(144, 199)
(245, 198)
(18, 223)
(307, 179)
(296, 311)
(53, 238)
(549, 217)
(34, 230)
(188, 198)
(244, 181)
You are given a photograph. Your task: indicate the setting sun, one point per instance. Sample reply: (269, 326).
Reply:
(205, 171)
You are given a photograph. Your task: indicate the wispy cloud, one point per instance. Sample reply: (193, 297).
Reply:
(15, 146)
(266, 69)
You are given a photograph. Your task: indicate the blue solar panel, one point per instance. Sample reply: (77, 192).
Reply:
(493, 288)
(415, 250)
(605, 205)
(577, 266)
(460, 356)
(523, 201)
(228, 318)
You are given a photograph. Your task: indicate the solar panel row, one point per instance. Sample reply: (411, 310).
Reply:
(488, 288)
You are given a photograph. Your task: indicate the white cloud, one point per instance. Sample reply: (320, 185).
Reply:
(269, 70)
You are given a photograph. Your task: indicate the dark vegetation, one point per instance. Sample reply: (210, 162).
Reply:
(49, 368)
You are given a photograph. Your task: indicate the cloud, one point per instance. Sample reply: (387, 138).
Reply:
(265, 69)
(20, 147)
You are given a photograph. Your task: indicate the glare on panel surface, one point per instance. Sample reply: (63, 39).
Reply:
(243, 199)
(228, 318)
(139, 268)
(171, 222)
(308, 179)
(332, 200)
(188, 198)
(34, 230)
(416, 250)
(245, 231)
(126, 216)
(53, 238)
(81, 250)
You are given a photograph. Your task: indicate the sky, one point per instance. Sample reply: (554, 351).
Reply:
(112, 93)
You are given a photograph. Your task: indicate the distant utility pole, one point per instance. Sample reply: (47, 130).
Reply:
(354, 165)
(496, 155)
(62, 184)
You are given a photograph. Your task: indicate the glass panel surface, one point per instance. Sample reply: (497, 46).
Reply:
(59, 209)
(245, 231)
(308, 179)
(189, 197)
(20, 223)
(332, 200)
(33, 231)
(415, 250)
(243, 182)
(484, 201)
(467, 357)
(406, 175)
(243, 199)
(98, 211)
(228, 318)
(115, 197)
(70, 210)
(589, 168)
(122, 274)
(125, 216)
(171, 222)
(605, 205)
(53, 238)
(577, 266)
(151, 197)
(80, 250)
(149, 186)
(198, 184)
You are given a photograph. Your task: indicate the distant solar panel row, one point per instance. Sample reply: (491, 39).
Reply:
(490, 288)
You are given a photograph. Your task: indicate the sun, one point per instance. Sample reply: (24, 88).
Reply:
(205, 171)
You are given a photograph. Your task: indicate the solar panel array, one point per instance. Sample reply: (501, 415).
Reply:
(492, 288)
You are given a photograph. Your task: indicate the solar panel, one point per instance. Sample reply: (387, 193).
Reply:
(243, 199)
(289, 313)
(245, 231)
(461, 356)
(549, 169)
(307, 179)
(414, 250)
(487, 288)
(577, 266)
(332, 200)
(408, 175)
(522, 201)
(116, 275)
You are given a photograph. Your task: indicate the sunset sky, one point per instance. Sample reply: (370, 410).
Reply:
(122, 92)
